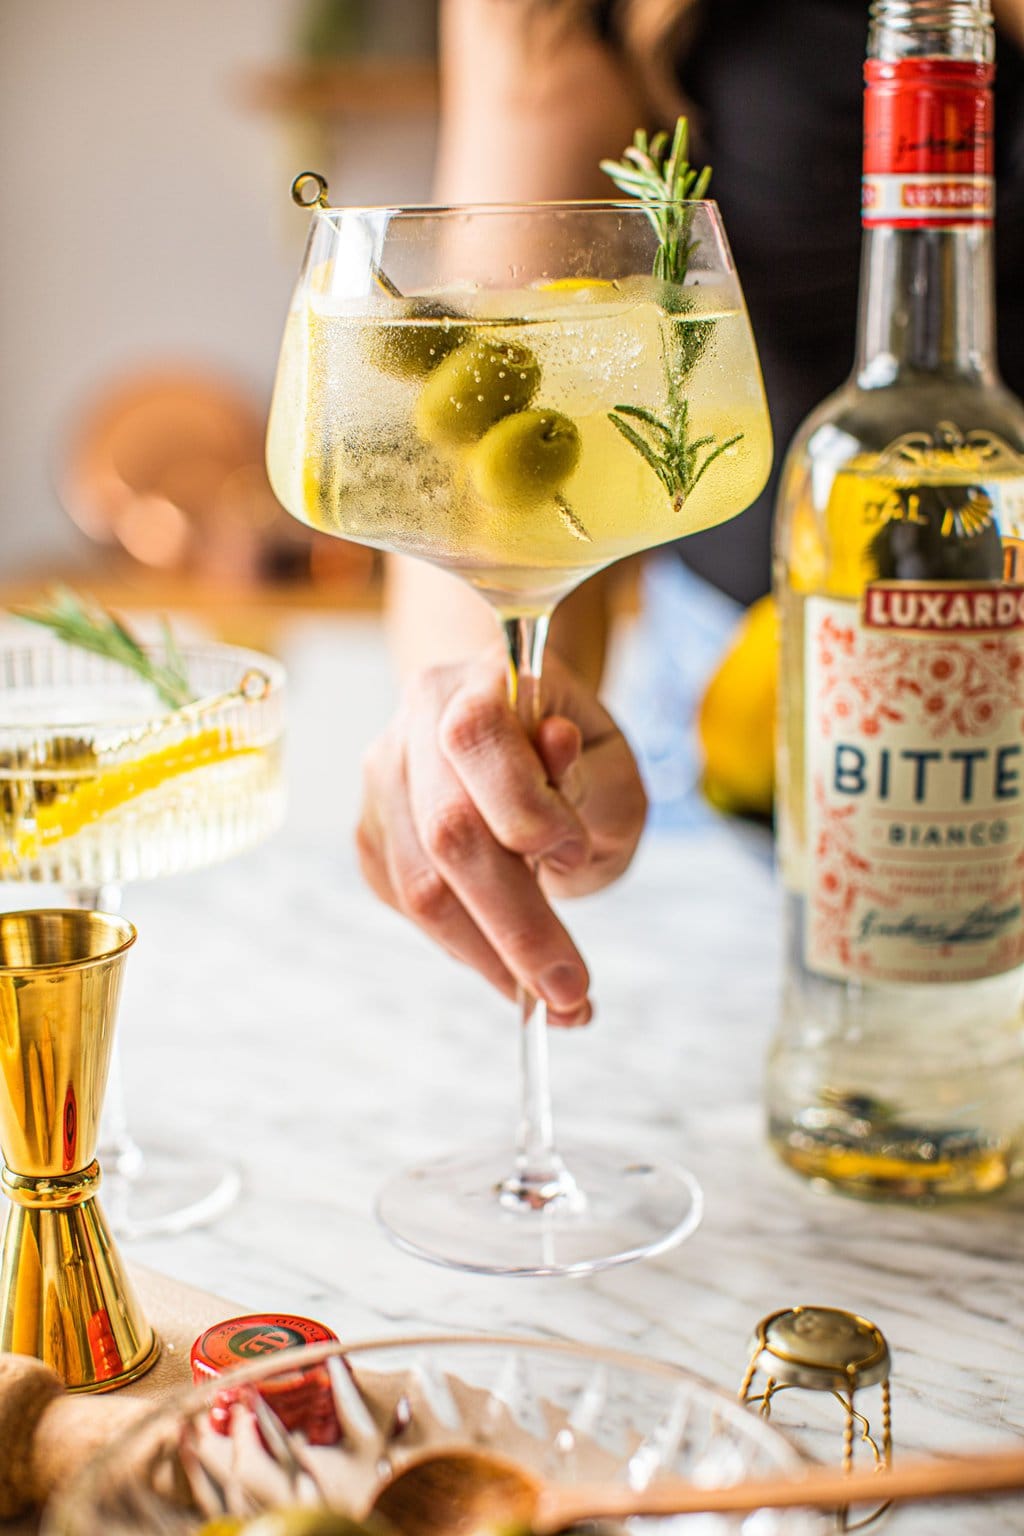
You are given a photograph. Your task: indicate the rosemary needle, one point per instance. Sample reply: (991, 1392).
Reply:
(93, 628)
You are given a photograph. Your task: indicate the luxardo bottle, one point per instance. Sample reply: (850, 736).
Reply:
(898, 1065)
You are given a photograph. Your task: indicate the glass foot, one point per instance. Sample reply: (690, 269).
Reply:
(152, 1191)
(457, 1212)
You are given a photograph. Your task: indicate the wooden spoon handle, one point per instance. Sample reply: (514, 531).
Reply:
(818, 1488)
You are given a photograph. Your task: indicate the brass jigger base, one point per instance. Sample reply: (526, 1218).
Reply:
(145, 1364)
(64, 1297)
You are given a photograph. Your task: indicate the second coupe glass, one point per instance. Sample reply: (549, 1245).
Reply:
(101, 785)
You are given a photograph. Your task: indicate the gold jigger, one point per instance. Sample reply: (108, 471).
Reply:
(64, 1296)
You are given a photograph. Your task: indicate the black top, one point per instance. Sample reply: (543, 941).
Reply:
(778, 93)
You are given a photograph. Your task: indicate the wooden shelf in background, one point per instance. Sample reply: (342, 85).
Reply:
(140, 588)
(367, 87)
(257, 615)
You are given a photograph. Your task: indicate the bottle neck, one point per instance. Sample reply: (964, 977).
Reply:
(927, 268)
(949, 29)
(927, 305)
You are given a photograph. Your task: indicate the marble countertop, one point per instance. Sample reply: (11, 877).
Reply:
(276, 1014)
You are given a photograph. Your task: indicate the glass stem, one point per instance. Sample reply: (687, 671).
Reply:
(540, 1175)
(118, 1151)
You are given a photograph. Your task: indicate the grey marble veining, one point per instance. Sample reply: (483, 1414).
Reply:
(276, 1014)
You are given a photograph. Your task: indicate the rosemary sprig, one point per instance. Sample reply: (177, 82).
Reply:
(91, 627)
(667, 447)
(663, 181)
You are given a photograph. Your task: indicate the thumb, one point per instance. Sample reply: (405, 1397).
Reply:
(559, 745)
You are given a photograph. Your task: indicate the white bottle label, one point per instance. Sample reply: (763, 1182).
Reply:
(914, 734)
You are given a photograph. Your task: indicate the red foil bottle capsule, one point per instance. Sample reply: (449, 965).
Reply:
(301, 1399)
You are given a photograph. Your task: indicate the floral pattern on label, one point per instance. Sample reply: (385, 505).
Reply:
(915, 744)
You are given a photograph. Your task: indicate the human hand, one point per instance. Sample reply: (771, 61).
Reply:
(457, 799)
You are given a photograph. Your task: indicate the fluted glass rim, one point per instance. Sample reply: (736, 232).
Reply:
(15, 653)
(306, 1355)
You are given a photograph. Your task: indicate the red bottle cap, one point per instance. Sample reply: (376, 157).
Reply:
(301, 1399)
(240, 1340)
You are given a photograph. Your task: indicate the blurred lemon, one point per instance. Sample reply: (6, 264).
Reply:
(736, 718)
(575, 284)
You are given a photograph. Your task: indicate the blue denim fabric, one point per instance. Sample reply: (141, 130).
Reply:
(679, 638)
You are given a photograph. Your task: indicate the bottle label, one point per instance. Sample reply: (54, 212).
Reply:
(915, 743)
(927, 143)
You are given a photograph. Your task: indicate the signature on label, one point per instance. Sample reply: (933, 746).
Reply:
(978, 927)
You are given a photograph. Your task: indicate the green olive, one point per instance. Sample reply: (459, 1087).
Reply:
(524, 458)
(414, 351)
(302, 1522)
(472, 388)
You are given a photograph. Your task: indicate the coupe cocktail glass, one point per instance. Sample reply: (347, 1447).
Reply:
(101, 785)
(507, 393)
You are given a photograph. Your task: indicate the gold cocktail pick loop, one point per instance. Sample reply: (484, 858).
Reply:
(64, 1296)
(824, 1349)
(309, 190)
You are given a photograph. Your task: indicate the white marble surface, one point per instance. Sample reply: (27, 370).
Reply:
(277, 1014)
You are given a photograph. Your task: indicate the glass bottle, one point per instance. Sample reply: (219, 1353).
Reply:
(898, 1064)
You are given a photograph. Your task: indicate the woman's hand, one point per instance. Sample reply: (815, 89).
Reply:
(457, 800)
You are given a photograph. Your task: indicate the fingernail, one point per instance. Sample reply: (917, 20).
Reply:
(564, 985)
(572, 1020)
(571, 784)
(568, 855)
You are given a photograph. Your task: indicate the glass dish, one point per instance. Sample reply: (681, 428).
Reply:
(569, 1412)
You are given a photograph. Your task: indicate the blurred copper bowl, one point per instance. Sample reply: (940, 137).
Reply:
(168, 465)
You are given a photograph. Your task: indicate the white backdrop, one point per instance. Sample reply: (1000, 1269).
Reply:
(144, 212)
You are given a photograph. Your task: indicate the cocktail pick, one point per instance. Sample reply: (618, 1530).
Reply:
(64, 1296)
(309, 190)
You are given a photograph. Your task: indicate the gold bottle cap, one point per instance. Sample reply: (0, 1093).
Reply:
(823, 1348)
